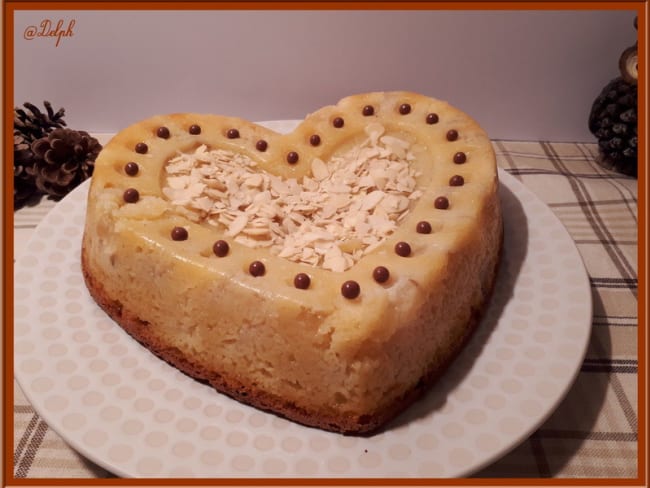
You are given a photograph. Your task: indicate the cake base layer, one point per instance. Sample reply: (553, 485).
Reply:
(366, 424)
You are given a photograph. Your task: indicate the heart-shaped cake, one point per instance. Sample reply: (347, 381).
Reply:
(328, 275)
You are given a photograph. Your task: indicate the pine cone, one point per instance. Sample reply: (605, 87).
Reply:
(62, 160)
(34, 124)
(24, 186)
(613, 120)
(30, 125)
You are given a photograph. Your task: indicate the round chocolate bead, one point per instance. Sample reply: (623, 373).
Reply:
(257, 268)
(460, 158)
(141, 148)
(314, 140)
(403, 249)
(163, 132)
(368, 110)
(452, 135)
(261, 145)
(338, 122)
(179, 233)
(195, 130)
(131, 168)
(220, 248)
(441, 203)
(423, 227)
(302, 281)
(404, 109)
(232, 134)
(292, 157)
(350, 289)
(456, 180)
(380, 274)
(131, 195)
(432, 118)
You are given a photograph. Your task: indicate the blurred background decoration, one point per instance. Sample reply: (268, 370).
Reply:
(49, 158)
(613, 117)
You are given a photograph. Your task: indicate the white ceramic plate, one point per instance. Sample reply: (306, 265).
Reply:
(136, 416)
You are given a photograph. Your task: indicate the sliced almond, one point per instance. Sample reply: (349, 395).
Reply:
(346, 208)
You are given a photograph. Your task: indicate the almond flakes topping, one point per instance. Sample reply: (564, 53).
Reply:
(330, 219)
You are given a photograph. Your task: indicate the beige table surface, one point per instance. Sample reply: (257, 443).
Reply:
(594, 431)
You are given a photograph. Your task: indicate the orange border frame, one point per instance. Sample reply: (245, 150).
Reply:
(10, 6)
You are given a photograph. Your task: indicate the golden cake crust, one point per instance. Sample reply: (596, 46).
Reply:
(313, 355)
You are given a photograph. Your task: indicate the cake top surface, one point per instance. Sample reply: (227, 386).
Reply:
(360, 199)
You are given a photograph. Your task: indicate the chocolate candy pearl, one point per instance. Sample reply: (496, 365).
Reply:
(179, 233)
(314, 140)
(404, 109)
(257, 268)
(141, 148)
(452, 134)
(338, 122)
(380, 274)
(131, 168)
(368, 110)
(163, 132)
(220, 248)
(441, 203)
(456, 180)
(302, 281)
(432, 118)
(460, 158)
(261, 145)
(403, 249)
(292, 157)
(194, 129)
(350, 289)
(423, 227)
(232, 134)
(131, 195)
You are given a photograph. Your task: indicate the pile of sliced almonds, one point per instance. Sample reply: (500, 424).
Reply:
(330, 219)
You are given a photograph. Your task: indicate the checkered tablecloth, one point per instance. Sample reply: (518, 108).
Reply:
(594, 431)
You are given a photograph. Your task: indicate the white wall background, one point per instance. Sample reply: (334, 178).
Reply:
(522, 74)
